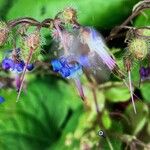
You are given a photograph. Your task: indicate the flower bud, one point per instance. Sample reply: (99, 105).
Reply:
(69, 14)
(33, 40)
(128, 63)
(138, 48)
(3, 32)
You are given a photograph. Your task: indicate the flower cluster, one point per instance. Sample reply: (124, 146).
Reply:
(66, 68)
(15, 66)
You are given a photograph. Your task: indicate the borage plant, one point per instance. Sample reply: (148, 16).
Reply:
(80, 49)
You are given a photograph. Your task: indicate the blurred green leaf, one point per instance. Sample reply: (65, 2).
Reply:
(137, 121)
(145, 87)
(143, 19)
(35, 121)
(115, 143)
(68, 132)
(106, 120)
(99, 16)
(117, 94)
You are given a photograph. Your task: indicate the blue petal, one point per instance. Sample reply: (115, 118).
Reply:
(1, 99)
(65, 72)
(7, 64)
(56, 64)
(19, 66)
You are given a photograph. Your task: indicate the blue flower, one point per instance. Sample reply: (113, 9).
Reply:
(7, 64)
(65, 72)
(1, 99)
(66, 68)
(56, 64)
(144, 72)
(19, 66)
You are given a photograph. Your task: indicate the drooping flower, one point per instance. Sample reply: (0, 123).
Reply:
(15, 64)
(68, 68)
(96, 44)
(85, 47)
(19, 66)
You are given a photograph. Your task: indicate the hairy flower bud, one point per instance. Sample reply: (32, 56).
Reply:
(138, 48)
(33, 40)
(69, 14)
(3, 32)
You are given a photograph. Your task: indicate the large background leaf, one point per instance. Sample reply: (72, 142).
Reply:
(37, 119)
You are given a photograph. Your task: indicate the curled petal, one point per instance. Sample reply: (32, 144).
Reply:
(96, 44)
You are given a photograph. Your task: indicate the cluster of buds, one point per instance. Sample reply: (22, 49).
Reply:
(138, 49)
(138, 45)
(19, 60)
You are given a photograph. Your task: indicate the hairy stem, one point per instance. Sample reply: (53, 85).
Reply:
(24, 72)
(137, 11)
(131, 91)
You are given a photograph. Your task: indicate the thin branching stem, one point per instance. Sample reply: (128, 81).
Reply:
(143, 6)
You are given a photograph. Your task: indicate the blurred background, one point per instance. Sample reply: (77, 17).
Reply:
(50, 115)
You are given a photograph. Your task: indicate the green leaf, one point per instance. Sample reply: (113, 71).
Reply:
(106, 120)
(145, 87)
(35, 122)
(68, 132)
(117, 94)
(137, 121)
(113, 141)
(143, 19)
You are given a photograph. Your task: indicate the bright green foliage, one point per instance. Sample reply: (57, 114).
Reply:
(50, 115)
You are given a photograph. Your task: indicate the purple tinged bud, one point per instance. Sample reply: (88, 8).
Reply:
(30, 67)
(142, 72)
(146, 72)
